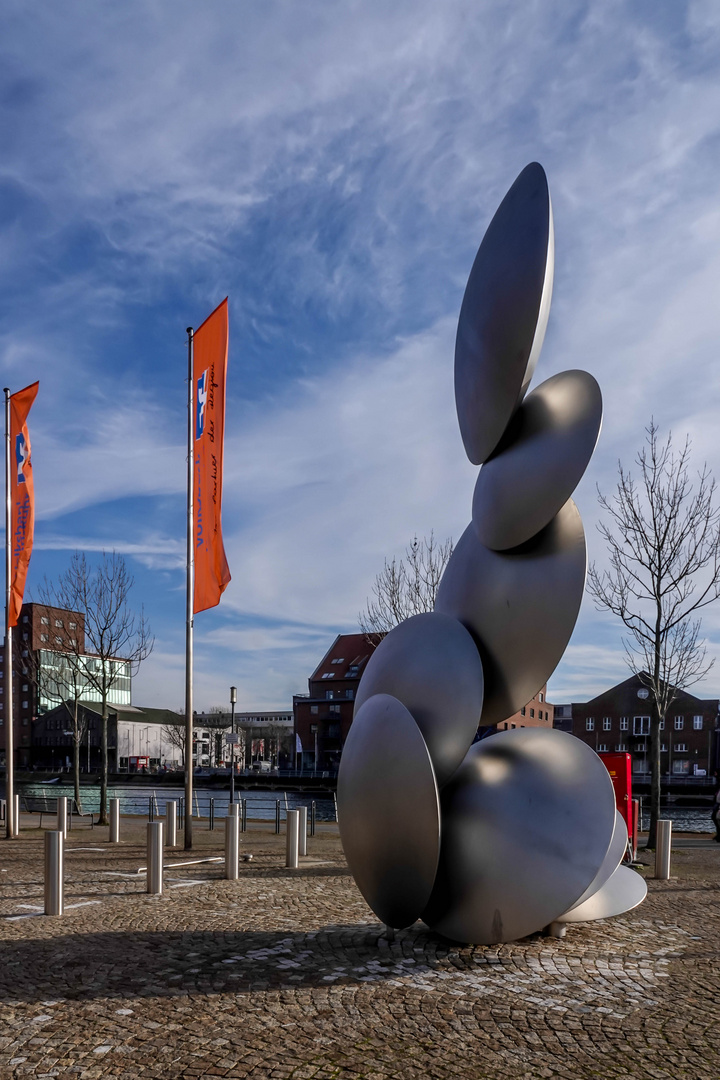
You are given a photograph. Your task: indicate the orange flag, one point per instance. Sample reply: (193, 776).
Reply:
(210, 350)
(22, 497)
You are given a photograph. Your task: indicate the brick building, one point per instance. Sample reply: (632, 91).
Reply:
(42, 640)
(537, 713)
(324, 715)
(619, 720)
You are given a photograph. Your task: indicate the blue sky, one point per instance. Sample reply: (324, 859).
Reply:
(332, 169)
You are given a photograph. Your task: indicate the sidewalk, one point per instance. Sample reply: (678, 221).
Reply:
(288, 974)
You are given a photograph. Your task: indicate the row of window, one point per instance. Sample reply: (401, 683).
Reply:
(622, 748)
(532, 712)
(641, 724)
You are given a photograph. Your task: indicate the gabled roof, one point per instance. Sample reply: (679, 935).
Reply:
(635, 682)
(346, 657)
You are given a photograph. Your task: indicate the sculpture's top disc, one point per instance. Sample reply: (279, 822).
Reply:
(388, 811)
(622, 892)
(526, 821)
(431, 664)
(540, 460)
(615, 853)
(519, 605)
(504, 313)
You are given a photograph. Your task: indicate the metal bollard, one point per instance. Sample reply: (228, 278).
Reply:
(277, 817)
(54, 843)
(171, 822)
(151, 809)
(636, 827)
(211, 815)
(312, 817)
(3, 811)
(16, 819)
(155, 857)
(556, 929)
(232, 845)
(243, 803)
(62, 815)
(662, 848)
(114, 821)
(302, 831)
(292, 823)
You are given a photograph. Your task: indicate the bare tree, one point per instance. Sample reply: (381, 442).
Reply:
(663, 538)
(406, 586)
(175, 735)
(65, 680)
(116, 639)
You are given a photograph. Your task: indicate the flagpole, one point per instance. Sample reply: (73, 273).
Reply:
(189, 605)
(11, 825)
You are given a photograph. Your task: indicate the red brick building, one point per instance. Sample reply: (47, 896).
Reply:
(324, 715)
(619, 720)
(537, 713)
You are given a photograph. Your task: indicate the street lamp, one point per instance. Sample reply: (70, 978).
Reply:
(233, 699)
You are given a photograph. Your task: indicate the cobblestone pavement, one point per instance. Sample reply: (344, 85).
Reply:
(287, 974)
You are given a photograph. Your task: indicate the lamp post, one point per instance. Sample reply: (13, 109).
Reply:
(233, 699)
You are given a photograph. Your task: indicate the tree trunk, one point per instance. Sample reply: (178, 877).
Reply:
(76, 757)
(654, 775)
(103, 819)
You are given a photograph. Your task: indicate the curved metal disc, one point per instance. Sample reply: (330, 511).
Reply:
(615, 853)
(622, 892)
(526, 822)
(431, 664)
(519, 605)
(504, 313)
(539, 462)
(388, 811)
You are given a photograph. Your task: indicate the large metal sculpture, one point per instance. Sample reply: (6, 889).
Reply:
(492, 840)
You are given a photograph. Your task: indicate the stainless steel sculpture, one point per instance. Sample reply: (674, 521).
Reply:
(491, 841)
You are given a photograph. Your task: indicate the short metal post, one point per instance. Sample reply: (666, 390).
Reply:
(557, 929)
(171, 821)
(3, 810)
(232, 845)
(662, 848)
(155, 857)
(243, 803)
(636, 826)
(114, 821)
(313, 810)
(302, 831)
(292, 823)
(16, 820)
(211, 818)
(62, 815)
(151, 809)
(277, 817)
(54, 842)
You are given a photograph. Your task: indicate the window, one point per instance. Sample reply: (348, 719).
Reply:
(662, 724)
(590, 723)
(72, 625)
(607, 723)
(25, 720)
(25, 687)
(338, 660)
(681, 768)
(25, 636)
(58, 622)
(532, 712)
(540, 696)
(58, 640)
(25, 618)
(43, 637)
(547, 717)
(621, 748)
(679, 723)
(326, 675)
(313, 729)
(624, 723)
(522, 711)
(681, 748)
(45, 621)
(333, 731)
(335, 710)
(663, 748)
(512, 725)
(314, 709)
(641, 725)
(350, 694)
(602, 748)
(505, 725)
(329, 695)
(697, 723)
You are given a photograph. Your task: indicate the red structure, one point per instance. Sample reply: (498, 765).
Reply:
(620, 768)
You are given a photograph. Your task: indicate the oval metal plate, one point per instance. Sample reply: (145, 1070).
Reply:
(504, 313)
(519, 605)
(539, 462)
(431, 664)
(616, 851)
(622, 892)
(526, 822)
(388, 811)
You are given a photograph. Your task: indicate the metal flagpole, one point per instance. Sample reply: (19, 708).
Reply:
(189, 611)
(11, 825)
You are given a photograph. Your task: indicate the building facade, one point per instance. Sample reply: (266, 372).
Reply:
(619, 720)
(323, 716)
(537, 713)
